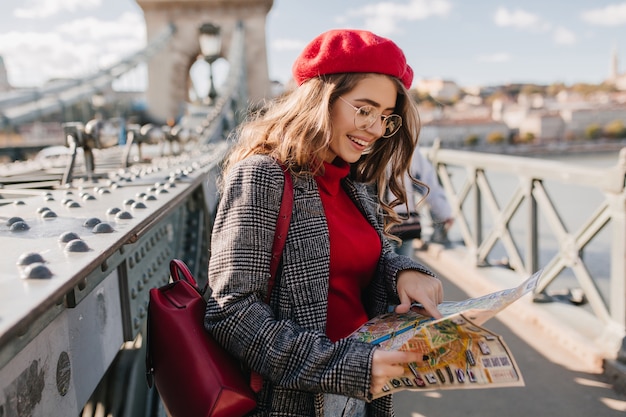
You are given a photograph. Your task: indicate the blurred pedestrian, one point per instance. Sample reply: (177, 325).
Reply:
(428, 192)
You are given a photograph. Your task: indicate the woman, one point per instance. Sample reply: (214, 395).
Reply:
(348, 119)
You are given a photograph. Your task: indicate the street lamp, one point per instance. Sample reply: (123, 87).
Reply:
(211, 46)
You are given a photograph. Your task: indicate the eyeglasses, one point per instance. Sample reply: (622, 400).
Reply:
(366, 116)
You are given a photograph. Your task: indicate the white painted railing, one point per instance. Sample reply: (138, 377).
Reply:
(509, 206)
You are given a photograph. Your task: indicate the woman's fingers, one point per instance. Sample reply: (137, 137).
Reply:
(416, 286)
(387, 365)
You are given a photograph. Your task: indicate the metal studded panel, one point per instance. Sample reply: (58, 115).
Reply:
(146, 266)
(58, 245)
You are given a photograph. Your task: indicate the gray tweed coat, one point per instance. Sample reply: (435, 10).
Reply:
(286, 342)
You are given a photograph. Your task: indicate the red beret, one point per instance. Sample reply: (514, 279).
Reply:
(346, 50)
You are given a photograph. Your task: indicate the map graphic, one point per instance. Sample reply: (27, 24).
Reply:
(458, 352)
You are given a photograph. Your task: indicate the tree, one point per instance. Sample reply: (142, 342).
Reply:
(472, 140)
(495, 138)
(615, 129)
(527, 137)
(593, 131)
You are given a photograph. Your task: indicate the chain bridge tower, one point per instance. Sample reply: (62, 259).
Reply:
(168, 70)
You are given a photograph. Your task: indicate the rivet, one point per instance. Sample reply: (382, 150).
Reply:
(14, 220)
(30, 258)
(113, 211)
(37, 271)
(19, 226)
(124, 215)
(139, 205)
(76, 245)
(67, 236)
(48, 214)
(103, 228)
(92, 222)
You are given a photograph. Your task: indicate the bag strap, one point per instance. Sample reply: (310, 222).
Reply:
(176, 266)
(282, 228)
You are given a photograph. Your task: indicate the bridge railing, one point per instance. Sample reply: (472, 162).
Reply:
(538, 213)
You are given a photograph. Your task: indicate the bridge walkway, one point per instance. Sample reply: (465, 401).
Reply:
(563, 373)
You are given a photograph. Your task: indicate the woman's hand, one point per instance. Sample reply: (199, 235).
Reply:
(387, 365)
(417, 286)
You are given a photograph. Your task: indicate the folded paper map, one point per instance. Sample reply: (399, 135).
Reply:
(458, 352)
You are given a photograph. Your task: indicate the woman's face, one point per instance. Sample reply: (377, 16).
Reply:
(348, 142)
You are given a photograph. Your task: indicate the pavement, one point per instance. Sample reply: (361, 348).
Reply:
(572, 345)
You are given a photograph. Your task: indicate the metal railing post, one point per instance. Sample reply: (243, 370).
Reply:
(478, 213)
(532, 243)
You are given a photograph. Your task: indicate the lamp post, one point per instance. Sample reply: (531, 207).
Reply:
(211, 46)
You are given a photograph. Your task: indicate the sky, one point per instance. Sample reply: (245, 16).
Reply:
(486, 42)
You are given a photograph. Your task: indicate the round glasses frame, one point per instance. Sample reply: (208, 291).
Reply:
(366, 116)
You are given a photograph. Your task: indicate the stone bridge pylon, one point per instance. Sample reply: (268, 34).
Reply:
(168, 70)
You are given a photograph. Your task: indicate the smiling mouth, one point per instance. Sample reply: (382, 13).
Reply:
(358, 141)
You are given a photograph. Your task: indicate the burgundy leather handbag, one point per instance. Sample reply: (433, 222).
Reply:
(193, 374)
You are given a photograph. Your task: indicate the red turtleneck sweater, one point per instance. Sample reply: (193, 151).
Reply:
(354, 253)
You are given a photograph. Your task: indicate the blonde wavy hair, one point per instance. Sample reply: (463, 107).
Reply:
(295, 128)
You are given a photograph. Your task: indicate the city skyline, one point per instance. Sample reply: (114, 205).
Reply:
(490, 43)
